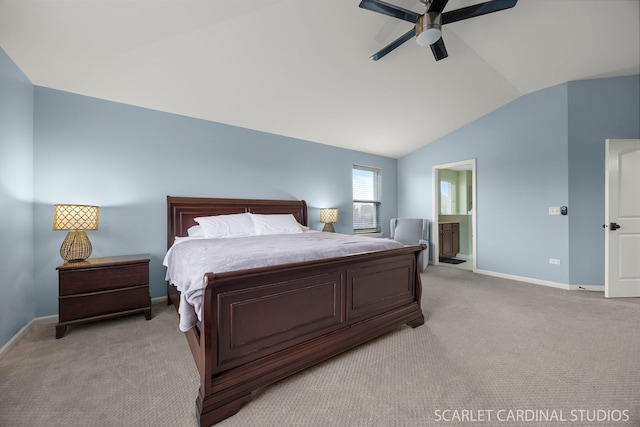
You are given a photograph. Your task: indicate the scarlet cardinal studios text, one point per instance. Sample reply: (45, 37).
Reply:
(531, 415)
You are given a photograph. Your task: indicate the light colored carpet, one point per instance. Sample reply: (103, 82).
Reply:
(491, 349)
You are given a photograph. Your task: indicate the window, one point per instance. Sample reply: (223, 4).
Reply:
(447, 198)
(366, 199)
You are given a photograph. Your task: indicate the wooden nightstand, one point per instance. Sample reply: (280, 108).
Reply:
(101, 288)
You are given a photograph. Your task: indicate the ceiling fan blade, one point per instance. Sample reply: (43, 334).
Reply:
(437, 6)
(391, 46)
(390, 10)
(438, 49)
(477, 10)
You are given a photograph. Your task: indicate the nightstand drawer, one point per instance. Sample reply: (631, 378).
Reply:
(103, 278)
(100, 303)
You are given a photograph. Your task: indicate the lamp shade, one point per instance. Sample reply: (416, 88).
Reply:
(75, 217)
(328, 215)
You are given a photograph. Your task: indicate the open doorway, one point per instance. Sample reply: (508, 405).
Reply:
(453, 232)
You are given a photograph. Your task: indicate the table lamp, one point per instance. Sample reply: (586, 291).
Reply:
(75, 218)
(328, 216)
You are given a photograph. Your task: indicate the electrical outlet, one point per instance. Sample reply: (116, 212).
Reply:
(554, 210)
(554, 261)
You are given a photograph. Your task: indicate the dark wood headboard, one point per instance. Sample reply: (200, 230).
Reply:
(181, 211)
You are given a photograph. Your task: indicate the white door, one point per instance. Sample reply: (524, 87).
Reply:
(622, 222)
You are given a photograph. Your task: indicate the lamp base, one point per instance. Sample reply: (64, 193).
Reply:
(328, 227)
(76, 246)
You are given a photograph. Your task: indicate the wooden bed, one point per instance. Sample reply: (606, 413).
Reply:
(262, 325)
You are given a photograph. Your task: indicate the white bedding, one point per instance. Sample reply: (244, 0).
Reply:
(191, 257)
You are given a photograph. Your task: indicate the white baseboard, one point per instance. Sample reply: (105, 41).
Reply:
(543, 282)
(22, 332)
(47, 319)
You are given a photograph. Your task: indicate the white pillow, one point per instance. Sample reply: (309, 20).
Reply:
(275, 224)
(223, 226)
(195, 231)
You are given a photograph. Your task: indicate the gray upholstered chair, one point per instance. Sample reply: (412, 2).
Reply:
(412, 231)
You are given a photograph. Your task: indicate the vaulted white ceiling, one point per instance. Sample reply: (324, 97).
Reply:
(301, 68)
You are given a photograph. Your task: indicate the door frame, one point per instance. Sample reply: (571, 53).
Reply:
(435, 236)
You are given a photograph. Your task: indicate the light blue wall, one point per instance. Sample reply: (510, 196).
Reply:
(16, 199)
(598, 110)
(543, 149)
(127, 159)
(521, 152)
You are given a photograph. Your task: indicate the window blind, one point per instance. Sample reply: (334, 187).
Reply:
(367, 186)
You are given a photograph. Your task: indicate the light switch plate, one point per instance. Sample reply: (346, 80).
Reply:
(554, 210)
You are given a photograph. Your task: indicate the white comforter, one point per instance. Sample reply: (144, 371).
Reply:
(190, 258)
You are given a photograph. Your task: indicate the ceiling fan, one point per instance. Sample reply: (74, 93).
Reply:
(428, 26)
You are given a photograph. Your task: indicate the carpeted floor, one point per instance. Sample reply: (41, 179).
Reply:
(493, 352)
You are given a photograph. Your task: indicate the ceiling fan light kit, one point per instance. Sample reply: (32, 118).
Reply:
(428, 26)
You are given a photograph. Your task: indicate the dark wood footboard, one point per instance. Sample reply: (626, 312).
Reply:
(262, 325)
